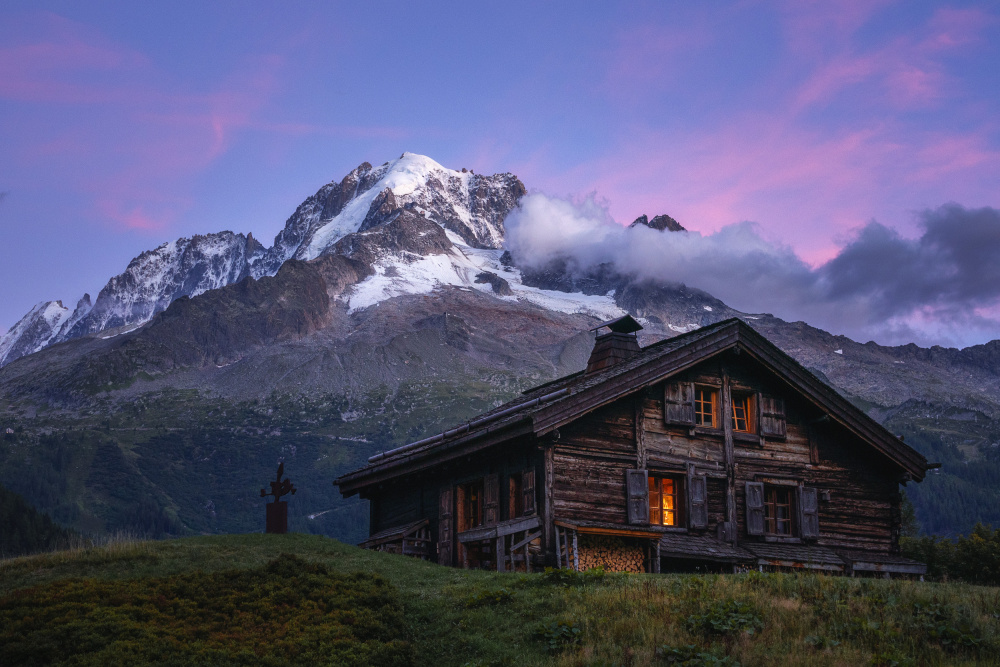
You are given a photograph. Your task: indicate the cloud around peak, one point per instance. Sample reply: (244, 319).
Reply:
(941, 287)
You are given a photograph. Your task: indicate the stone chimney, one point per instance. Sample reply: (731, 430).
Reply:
(615, 346)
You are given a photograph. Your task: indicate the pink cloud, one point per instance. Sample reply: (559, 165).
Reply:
(905, 71)
(816, 28)
(134, 132)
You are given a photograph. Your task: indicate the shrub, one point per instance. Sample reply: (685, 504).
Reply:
(488, 598)
(938, 625)
(974, 558)
(558, 635)
(727, 618)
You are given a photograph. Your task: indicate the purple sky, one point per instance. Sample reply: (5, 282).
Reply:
(127, 124)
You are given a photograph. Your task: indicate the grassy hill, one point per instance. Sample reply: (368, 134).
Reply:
(304, 599)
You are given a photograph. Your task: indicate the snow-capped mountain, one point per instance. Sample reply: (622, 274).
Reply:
(154, 279)
(470, 207)
(43, 325)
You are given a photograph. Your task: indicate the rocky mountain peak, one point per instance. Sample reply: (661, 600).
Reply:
(659, 223)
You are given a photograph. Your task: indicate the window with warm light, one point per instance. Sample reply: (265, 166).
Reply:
(664, 501)
(705, 402)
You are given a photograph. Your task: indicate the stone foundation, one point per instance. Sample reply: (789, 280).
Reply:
(614, 554)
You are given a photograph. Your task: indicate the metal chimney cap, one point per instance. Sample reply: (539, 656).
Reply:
(623, 325)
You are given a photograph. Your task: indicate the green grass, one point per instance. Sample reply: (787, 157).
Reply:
(438, 616)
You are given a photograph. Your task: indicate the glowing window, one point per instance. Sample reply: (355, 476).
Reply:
(664, 495)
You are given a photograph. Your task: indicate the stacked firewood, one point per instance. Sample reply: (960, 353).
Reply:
(611, 553)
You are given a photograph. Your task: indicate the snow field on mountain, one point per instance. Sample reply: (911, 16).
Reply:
(402, 274)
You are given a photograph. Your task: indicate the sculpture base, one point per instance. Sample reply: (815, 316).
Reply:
(277, 517)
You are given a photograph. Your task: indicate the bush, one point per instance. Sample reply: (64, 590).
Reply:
(488, 598)
(974, 558)
(558, 635)
(288, 612)
(727, 618)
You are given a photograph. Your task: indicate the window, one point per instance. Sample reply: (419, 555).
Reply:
(515, 497)
(778, 510)
(744, 413)
(471, 505)
(705, 401)
(665, 501)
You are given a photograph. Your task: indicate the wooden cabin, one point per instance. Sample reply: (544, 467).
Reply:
(713, 450)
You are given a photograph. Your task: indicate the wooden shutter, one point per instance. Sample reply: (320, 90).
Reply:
(678, 403)
(491, 499)
(528, 490)
(697, 501)
(445, 527)
(637, 484)
(809, 512)
(755, 508)
(772, 416)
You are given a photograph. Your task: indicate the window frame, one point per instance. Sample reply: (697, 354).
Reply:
(715, 394)
(771, 505)
(515, 496)
(472, 510)
(655, 484)
(748, 403)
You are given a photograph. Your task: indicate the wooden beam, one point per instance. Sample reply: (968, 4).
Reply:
(576, 553)
(501, 552)
(526, 540)
(729, 454)
(548, 510)
(640, 430)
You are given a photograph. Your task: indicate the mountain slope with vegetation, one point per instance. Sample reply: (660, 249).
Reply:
(25, 530)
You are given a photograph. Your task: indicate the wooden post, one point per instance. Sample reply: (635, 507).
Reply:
(576, 553)
(656, 563)
(730, 454)
(549, 517)
(501, 548)
(640, 431)
(558, 548)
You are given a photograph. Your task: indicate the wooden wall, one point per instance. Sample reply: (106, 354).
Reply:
(593, 453)
(414, 497)
(589, 464)
(590, 457)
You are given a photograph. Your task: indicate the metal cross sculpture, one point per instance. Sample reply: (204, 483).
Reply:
(277, 511)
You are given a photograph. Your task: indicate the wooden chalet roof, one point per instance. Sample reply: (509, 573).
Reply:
(547, 407)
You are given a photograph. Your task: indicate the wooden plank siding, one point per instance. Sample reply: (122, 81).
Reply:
(589, 463)
(863, 507)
